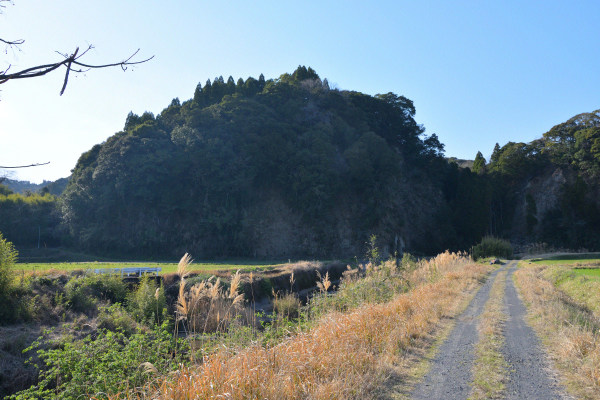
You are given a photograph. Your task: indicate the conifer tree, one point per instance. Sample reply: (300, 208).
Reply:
(479, 164)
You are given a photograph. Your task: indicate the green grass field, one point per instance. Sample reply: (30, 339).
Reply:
(571, 259)
(576, 275)
(166, 268)
(590, 273)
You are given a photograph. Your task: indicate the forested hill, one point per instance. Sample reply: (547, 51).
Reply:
(548, 190)
(284, 167)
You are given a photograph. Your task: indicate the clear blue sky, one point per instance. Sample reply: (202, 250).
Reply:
(479, 72)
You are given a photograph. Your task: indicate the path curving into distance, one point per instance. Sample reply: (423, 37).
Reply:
(450, 374)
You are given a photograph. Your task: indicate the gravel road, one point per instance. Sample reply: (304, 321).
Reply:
(450, 374)
(529, 376)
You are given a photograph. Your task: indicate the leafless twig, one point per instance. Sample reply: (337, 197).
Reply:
(25, 166)
(69, 62)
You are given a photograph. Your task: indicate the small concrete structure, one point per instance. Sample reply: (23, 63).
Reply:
(131, 272)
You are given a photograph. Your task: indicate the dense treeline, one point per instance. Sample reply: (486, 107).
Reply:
(29, 219)
(289, 167)
(547, 190)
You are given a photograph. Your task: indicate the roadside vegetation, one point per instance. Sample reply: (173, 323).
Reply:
(563, 310)
(343, 345)
(191, 335)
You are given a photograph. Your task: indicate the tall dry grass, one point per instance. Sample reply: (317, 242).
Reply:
(569, 331)
(344, 356)
(208, 306)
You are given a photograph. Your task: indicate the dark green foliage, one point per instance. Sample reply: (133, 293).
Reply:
(531, 211)
(569, 156)
(110, 362)
(492, 247)
(29, 219)
(479, 163)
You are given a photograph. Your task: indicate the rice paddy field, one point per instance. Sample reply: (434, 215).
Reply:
(577, 275)
(569, 259)
(166, 267)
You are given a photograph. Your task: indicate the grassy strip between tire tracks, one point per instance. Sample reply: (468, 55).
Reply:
(490, 367)
(345, 356)
(569, 331)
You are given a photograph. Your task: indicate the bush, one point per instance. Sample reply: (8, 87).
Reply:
(492, 247)
(8, 256)
(115, 318)
(83, 293)
(112, 362)
(147, 303)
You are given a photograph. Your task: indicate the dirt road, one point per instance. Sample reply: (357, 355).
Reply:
(450, 374)
(528, 376)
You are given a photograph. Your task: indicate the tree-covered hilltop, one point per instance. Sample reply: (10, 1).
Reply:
(280, 167)
(548, 190)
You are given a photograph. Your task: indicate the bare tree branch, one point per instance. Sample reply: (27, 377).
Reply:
(68, 63)
(25, 166)
(12, 42)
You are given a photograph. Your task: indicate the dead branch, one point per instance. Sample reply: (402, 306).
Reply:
(25, 166)
(69, 62)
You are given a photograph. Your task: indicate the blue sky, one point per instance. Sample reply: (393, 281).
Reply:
(478, 72)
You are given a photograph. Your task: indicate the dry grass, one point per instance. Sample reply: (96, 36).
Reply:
(490, 367)
(345, 355)
(569, 331)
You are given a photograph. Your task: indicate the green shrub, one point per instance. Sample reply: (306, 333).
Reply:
(147, 304)
(116, 318)
(492, 247)
(84, 293)
(111, 362)
(8, 256)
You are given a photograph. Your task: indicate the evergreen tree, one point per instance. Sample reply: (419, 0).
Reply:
(199, 95)
(230, 85)
(495, 154)
(479, 164)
